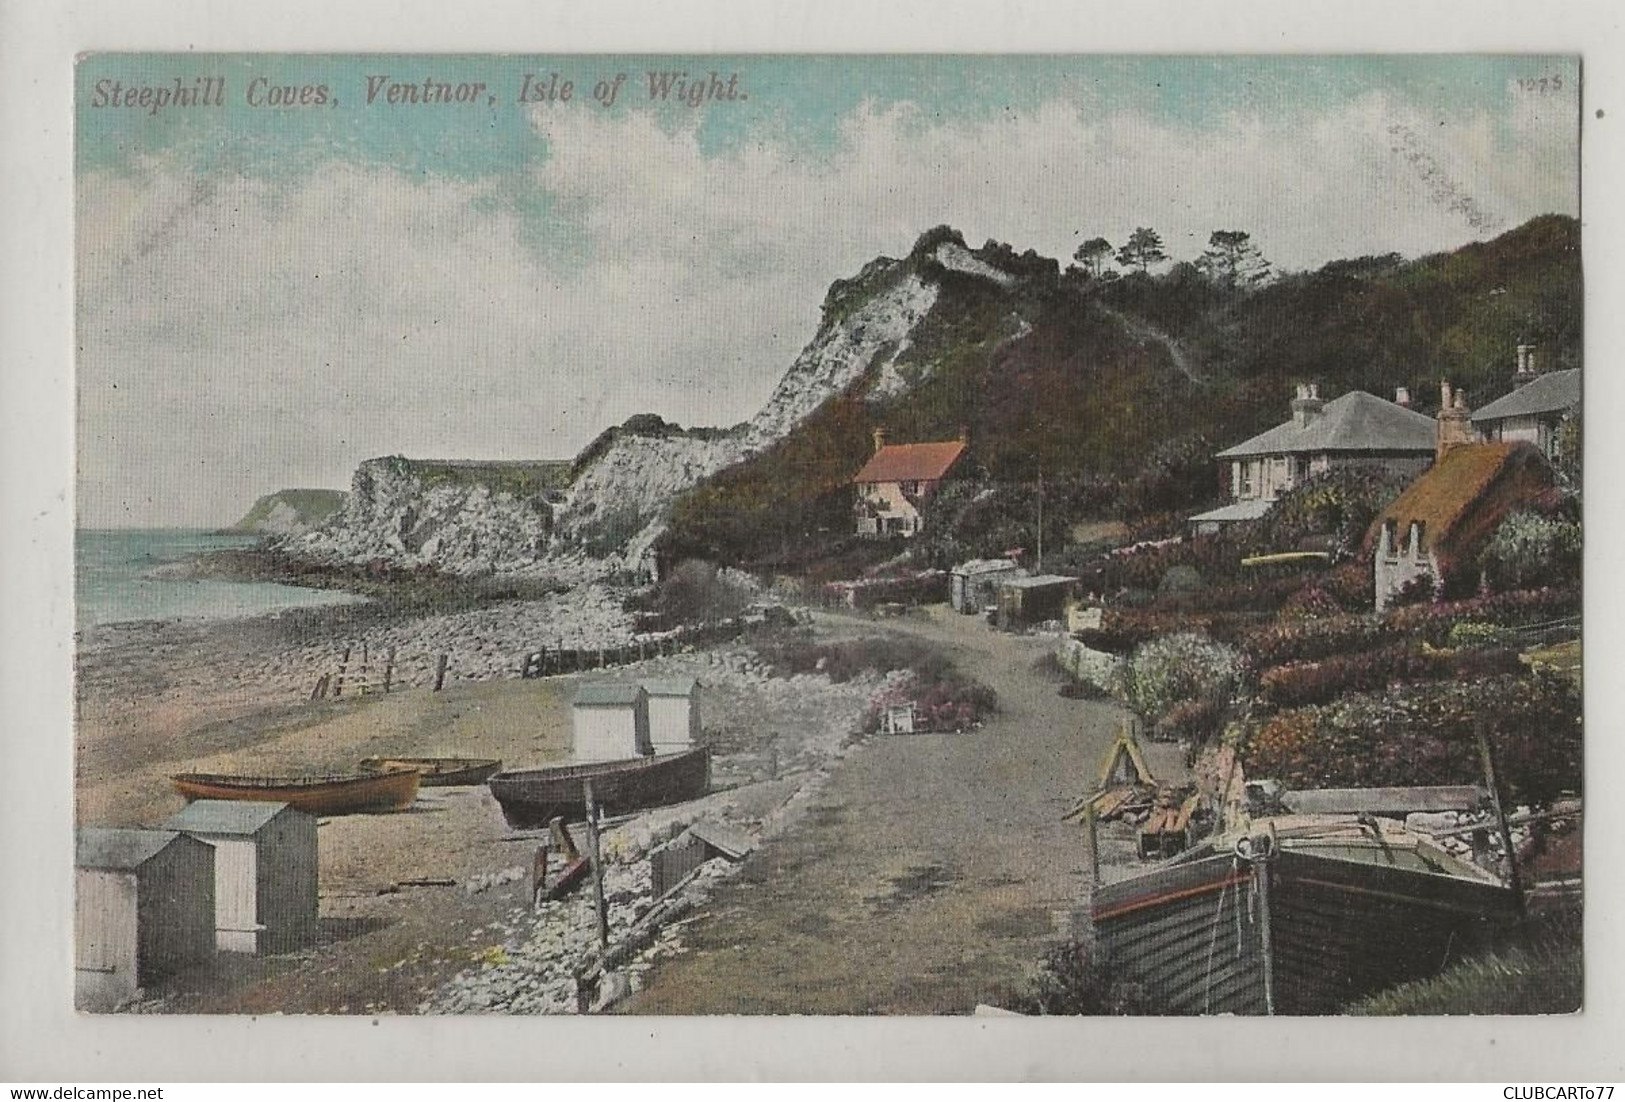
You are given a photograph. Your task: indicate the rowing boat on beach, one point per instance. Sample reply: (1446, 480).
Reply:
(332, 794)
(438, 772)
(531, 798)
(1298, 916)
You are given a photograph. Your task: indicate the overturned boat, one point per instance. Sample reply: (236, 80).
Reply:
(329, 794)
(1296, 916)
(531, 798)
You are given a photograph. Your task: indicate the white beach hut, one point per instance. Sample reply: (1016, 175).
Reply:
(265, 872)
(610, 721)
(143, 907)
(674, 714)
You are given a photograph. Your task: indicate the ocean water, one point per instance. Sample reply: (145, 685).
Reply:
(118, 575)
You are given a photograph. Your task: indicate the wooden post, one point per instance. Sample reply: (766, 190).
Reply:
(595, 855)
(440, 672)
(1261, 877)
(320, 691)
(1486, 755)
(1092, 835)
(389, 670)
(538, 876)
(338, 686)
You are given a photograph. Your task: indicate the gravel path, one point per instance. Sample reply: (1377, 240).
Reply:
(927, 875)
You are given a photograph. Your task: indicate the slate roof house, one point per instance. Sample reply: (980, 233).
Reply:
(1535, 410)
(1442, 521)
(1355, 430)
(896, 482)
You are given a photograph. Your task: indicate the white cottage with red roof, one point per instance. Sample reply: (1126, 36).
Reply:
(895, 484)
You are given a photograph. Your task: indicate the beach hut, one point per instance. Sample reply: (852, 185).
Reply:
(610, 721)
(265, 894)
(674, 714)
(143, 907)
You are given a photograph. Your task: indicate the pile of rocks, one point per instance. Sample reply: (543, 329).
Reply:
(533, 970)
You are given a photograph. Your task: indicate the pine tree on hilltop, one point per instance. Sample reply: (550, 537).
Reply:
(1094, 254)
(1144, 249)
(1232, 260)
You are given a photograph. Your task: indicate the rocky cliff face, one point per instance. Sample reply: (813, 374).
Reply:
(396, 515)
(617, 504)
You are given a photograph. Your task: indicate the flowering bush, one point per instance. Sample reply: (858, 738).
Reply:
(1179, 668)
(1310, 603)
(1531, 550)
(944, 705)
(1123, 629)
(1309, 640)
(1424, 734)
(1298, 683)
(1434, 622)
(1193, 721)
(1477, 633)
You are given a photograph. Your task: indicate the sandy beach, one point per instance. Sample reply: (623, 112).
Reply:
(233, 696)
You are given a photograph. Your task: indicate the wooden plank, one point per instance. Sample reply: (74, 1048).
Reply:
(1384, 801)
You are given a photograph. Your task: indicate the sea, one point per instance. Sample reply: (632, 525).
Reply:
(119, 576)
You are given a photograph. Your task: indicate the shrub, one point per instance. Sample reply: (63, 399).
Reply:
(1352, 585)
(1528, 606)
(1477, 633)
(1310, 603)
(695, 591)
(1529, 550)
(1192, 721)
(1180, 668)
(842, 661)
(1074, 979)
(1121, 630)
(1306, 640)
(1300, 683)
(940, 704)
(1424, 734)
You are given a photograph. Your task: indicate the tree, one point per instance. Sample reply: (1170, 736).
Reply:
(1232, 260)
(1094, 254)
(1144, 249)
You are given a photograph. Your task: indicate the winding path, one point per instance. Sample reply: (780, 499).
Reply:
(929, 873)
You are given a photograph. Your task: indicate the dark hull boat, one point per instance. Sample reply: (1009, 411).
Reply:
(339, 794)
(531, 798)
(1296, 919)
(437, 772)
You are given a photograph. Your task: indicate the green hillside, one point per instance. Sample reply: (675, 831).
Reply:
(1120, 390)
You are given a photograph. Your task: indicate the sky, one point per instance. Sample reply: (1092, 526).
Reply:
(268, 295)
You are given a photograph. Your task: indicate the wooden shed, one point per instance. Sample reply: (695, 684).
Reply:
(674, 714)
(974, 583)
(265, 872)
(610, 722)
(1023, 602)
(143, 907)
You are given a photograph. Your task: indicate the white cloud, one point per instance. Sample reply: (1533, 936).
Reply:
(241, 334)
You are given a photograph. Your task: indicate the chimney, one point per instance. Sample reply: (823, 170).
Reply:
(880, 439)
(1307, 405)
(964, 435)
(1455, 421)
(1402, 396)
(1526, 365)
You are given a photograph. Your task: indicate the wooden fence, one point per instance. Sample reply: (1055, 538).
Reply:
(542, 662)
